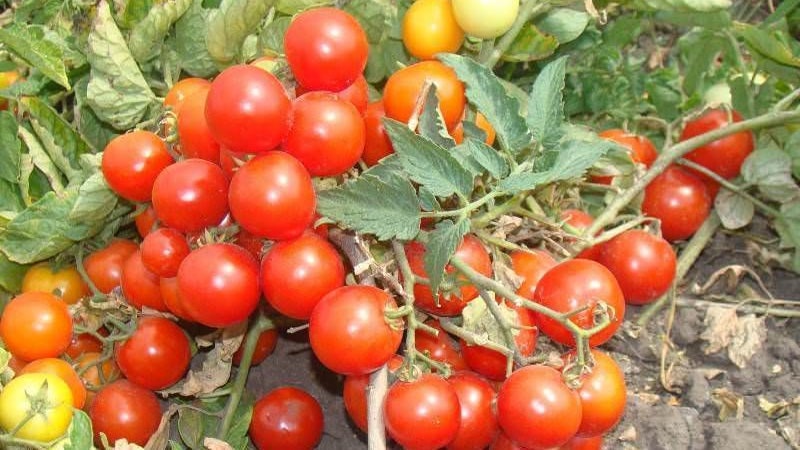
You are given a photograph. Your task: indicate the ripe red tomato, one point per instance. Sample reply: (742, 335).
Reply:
(349, 332)
(139, 285)
(577, 219)
(247, 109)
(182, 90)
(376, 143)
(354, 393)
(36, 325)
(430, 27)
(218, 284)
(723, 156)
(146, 221)
(104, 266)
(326, 134)
(478, 421)
(163, 250)
(287, 418)
(326, 49)
(191, 195)
(65, 282)
(296, 274)
(472, 252)
(404, 86)
(536, 409)
(643, 264)
(679, 200)
(641, 149)
(123, 410)
(83, 343)
(357, 93)
(272, 196)
(172, 298)
(502, 442)
(440, 348)
(156, 355)
(423, 413)
(196, 140)
(531, 266)
(574, 284)
(131, 163)
(602, 395)
(265, 345)
(250, 242)
(63, 370)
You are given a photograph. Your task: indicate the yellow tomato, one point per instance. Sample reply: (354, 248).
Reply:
(485, 19)
(429, 27)
(6, 80)
(65, 283)
(44, 399)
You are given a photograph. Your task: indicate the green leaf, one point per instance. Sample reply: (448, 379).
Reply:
(148, 35)
(10, 148)
(479, 157)
(564, 24)
(117, 91)
(783, 9)
(70, 142)
(92, 130)
(292, 7)
(768, 44)
(385, 58)
(681, 5)
(531, 44)
(29, 44)
(190, 43)
(486, 92)
(79, 433)
(664, 92)
(441, 245)
(428, 201)
(237, 435)
(734, 210)
(372, 15)
(431, 121)
(717, 20)
(95, 200)
(546, 105)
(771, 170)
(194, 426)
(41, 160)
(10, 198)
(231, 24)
(37, 11)
(387, 207)
(271, 38)
(793, 147)
(135, 10)
(427, 163)
(11, 275)
(699, 61)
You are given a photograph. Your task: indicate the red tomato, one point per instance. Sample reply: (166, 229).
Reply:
(641, 149)
(218, 284)
(196, 140)
(643, 264)
(376, 142)
(182, 90)
(172, 299)
(354, 394)
(326, 49)
(577, 219)
(502, 442)
(287, 418)
(441, 347)
(723, 156)
(104, 266)
(349, 333)
(404, 86)
(250, 242)
(163, 250)
(574, 284)
(83, 343)
(478, 422)
(191, 195)
(230, 161)
(531, 266)
(265, 345)
(296, 274)
(326, 134)
(146, 221)
(471, 251)
(247, 109)
(679, 200)
(272, 196)
(357, 93)
(536, 409)
(123, 410)
(36, 325)
(603, 396)
(422, 414)
(63, 370)
(139, 285)
(131, 163)
(156, 355)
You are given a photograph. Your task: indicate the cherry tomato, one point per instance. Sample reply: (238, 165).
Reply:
(250, 242)
(65, 282)
(536, 409)
(472, 252)
(485, 19)
(218, 284)
(478, 422)
(531, 266)
(265, 345)
(104, 266)
(440, 347)
(480, 122)
(196, 140)
(354, 394)
(723, 156)
(272, 196)
(357, 94)
(643, 264)
(123, 410)
(296, 274)
(172, 299)
(247, 109)
(191, 195)
(83, 343)
(63, 370)
(641, 149)
(287, 418)
(429, 27)
(182, 90)
(577, 219)
(349, 333)
(602, 394)
(44, 392)
(574, 284)
(96, 372)
(132, 161)
(163, 250)
(376, 143)
(679, 200)
(156, 355)
(404, 86)
(140, 286)
(326, 49)
(422, 414)
(146, 221)
(326, 134)
(36, 325)
(502, 442)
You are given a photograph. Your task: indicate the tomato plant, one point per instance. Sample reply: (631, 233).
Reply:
(429, 27)
(36, 325)
(37, 406)
(131, 163)
(287, 418)
(124, 410)
(641, 149)
(64, 282)
(156, 355)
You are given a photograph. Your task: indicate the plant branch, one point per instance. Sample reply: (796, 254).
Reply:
(464, 210)
(527, 11)
(376, 391)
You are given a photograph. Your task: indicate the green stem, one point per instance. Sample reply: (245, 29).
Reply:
(85, 276)
(408, 297)
(472, 338)
(616, 231)
(497, 211)
(787, 101)
(505, 327)
(465, 210)
(528, 10)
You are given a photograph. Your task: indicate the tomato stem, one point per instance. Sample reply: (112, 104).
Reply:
(376, 392)
(528, 10)
(505, 326)
(408, 298)
(471, 338)
(85, 276)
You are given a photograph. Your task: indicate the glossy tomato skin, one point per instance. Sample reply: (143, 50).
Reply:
(357, 93)
(65, 282)
(531, 266)
(265, 345)
(146, 221)
(472, 252)
(502, 442)
(429, 27)
(83, 343)
(603, 396)
(247, 109)
(422, 414)
(36, 325)
(156, 355)
(218, 284)
(196, 140)
(15, 403)
(182, 90)
(272, 196)
(440, 347)
(376, 144)
(163, 250)
(641, 149)
(191, 195)
(287, 418)
(123, 410)
(643, 264)
(140, 286)
(326, 134)
(297, 273)
(326, 49)
(349, 333)
(723, 156)
(354, 394)
(132, 161)
(485, 19)
(577, 219)
(478, 425)
(536, 409)
(172, 298)
(104, 266)
(574, 284)
(404, 86)
(62, 370)
(679, 200)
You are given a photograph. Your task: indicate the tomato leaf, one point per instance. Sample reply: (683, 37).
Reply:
(681, 5)
(93, 131)
(440, 247)
(29, 44)
(148, 35)
(95, 200)
(237, 434)
(231, 24)
(734, 210)
(11, 275)
(487, 93)
(564, 24)
(270, 40)
(769, 44)
(117, 91)
(385, 58)
(427, 163)
(79, 434)
(431, 121)
(41, 160)
(793, 147)
(10, 198)
(71, 144)
(699, 60)
(10, 148)
(531, 44)
(546, 104)
(194, 425)
(479, 157)
(770, 169)
(133, 12)
(291, 7)
(372, 15)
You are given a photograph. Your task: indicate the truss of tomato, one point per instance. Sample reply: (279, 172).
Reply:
(641, 149)
(440, 347)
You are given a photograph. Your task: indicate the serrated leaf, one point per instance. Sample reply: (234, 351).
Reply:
(479, 157)
(270, 40)
(29, 44)
(546, 104)
(55, 152)
(531, 44)
(771, 170)
(767, 44)
(564, 24)
(79, 434)
(148, 34)
(41, 160)
(190, 43)
(441, 246)
(734, 210)
(387, 207)
(292, 7)
(471, 130)
(10, 148)
(231, 24)
(95, 200)
(428, 201)
(431, 121)
(427, 163)
(486, 92)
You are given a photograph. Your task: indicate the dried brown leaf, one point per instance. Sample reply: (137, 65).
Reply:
(506, 275)
(748, 339)
(506, 225)
(629, 435)
(720, 323)
(730, 404)
(123, 444)
(160, 439)
(216, 444)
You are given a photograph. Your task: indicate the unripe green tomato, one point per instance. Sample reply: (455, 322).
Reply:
(485, 19)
